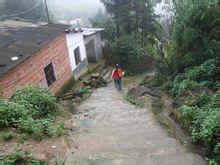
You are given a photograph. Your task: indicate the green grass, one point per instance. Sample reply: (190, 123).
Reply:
(6, 135)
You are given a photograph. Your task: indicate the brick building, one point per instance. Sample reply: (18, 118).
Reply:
(33, 54)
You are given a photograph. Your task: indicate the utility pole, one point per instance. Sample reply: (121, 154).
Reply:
(47, 11)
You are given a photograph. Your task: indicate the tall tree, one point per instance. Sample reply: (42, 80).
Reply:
(118, 9)
(132, 15)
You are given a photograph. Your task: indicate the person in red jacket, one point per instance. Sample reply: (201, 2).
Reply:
(117, 74)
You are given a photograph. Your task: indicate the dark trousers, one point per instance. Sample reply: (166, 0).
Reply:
(118, 84)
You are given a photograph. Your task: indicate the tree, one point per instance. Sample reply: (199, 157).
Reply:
(132, 16)
(195, 35)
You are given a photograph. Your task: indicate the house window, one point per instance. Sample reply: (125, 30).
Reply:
(49, 73)
(77, 55)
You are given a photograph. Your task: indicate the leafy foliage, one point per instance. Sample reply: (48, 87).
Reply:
(206, 126)
(131, 15)
(21, 157)
(203, 119)
(109, 34)
(204, 75)
(195, 35)
(40, 100)
(6, 136)
(30, 111)
(129, 54)
(10, 113)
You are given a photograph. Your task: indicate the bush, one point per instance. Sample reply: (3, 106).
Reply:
(202, 99)
(184, 86)
(188, 114)
(31, 126)
(41, 127)
(21, 157)
(206, 126)
(10, 113)
(29, 110)
(217, 151)
(204, 123)
(208, 72)
(37, 99)
(6, 136)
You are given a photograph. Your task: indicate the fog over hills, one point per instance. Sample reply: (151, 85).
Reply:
(74, 9)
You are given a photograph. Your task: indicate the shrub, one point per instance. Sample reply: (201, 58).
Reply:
(31, 126)
(207, 72)
(206, 126)
(184, 86)
(41, 127)
(217, 151)
(29, 110)
(6, 136)
(21, 157)
(10, 113)
(189, 113)
(202, 99)
(37, 99)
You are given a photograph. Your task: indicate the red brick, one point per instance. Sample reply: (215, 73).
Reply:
(31, 71)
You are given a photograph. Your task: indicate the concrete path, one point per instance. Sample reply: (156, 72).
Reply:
(112, 131)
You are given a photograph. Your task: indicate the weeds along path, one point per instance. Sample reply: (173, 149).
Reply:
(110, 130)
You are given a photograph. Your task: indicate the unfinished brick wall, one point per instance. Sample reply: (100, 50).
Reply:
(31, 71)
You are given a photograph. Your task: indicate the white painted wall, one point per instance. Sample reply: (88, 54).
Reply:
(98, 44)
(73, 41)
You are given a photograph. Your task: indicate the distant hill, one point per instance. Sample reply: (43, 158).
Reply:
(74, 9)
(60, 10)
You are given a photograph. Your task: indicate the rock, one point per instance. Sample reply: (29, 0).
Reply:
(95, 81)
(54, 147)
(41, 156)
(95, 76)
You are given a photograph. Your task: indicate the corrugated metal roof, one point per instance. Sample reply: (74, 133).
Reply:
(90, 31)
(23, 41)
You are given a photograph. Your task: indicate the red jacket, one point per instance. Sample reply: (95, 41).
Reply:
(117, 74)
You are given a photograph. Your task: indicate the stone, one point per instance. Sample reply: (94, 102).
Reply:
(95, 76)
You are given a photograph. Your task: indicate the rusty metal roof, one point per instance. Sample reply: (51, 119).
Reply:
(21, 42)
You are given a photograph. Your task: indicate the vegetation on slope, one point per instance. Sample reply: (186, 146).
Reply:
(191, 71)
(30, 110)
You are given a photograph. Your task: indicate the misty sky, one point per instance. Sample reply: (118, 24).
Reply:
(74, 9)
(85, 9)
(66, 4)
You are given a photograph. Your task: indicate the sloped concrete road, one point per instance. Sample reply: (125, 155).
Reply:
(110, 130)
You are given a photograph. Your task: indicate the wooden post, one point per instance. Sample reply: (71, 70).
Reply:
(47, 11)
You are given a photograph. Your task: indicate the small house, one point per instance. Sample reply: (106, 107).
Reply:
(77, 52)
(93, 44)
(33, 54)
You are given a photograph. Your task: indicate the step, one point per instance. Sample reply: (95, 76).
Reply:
(175, 159)
(129, 147)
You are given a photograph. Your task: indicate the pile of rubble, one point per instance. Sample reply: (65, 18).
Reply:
(144, 96)
(95, 81)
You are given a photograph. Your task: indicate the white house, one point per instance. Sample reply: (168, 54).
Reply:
(93, 43)
(77, 52)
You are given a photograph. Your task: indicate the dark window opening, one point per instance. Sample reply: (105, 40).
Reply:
(49, 74)
(77, 55)
(3, 65)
